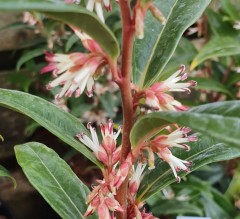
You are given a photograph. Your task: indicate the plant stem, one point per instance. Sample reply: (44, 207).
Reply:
(127, 100)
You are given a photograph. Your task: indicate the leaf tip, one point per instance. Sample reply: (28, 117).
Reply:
(193, 65)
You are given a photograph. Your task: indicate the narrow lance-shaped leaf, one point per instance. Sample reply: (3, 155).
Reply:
(204, 151)
(217, 47)
(220, 120)
(189, 11)
(60, 123)
(72, 14)
(143, 47)
(4, 173)
(53, 179)
(28, 56)
(184, 53)
(212, 85)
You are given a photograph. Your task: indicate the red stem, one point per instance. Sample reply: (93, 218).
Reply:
(127, 100)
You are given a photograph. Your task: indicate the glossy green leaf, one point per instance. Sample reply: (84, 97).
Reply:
(173, 207)
(218, 26)
(166, 42)
(4, 173)
(53, 179)
(199, 190)
(183, 54)
(60, 123)
(204, 151)
(70, 42)
(72, 14)
(211, 85)
(28, 56)
(217, 47)
(219, 120)
(143, 47)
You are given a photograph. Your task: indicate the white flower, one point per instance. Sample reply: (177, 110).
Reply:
(97, 5)
(237, 25)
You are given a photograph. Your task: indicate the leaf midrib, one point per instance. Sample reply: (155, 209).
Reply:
(67, 138)
(73, 204)
(154, 49)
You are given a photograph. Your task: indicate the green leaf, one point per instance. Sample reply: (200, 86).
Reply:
(143, 47)
(164, 46)
(72, 14)
(28, 56)
(218, 26)
(209, 119)
(204, 151)
(53, 179)
(212, 85)
(4, 173)
(173, 207)
(70, 42)
(16, 26)
(108, 103)
(217, 47)
(231, 9)
(60, 123)
(183, 54)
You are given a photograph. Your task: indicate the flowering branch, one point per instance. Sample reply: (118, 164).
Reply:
(125, 88)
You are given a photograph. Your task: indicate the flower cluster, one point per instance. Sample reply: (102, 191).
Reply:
(161, 146)
(102, 198)
(156, 97)
(76, 71)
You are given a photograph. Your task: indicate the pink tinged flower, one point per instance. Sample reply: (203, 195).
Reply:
(152, 101)
(59, 63)
(106, 152)
(147, 215)
(92, 206)
(172, 83)
(136, 178)
(89, 43)
(116, 155)
(107, 5)
(93, 142)
(162, 101)
(76, 79)
(175, 163)
(177, 138)
(120, 175)
(107, 130)
(103, 211)
(113, 204)
(97, 5)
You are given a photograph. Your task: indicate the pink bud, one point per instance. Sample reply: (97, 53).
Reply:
(103, 212)
(102, 155)
(113, 204)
